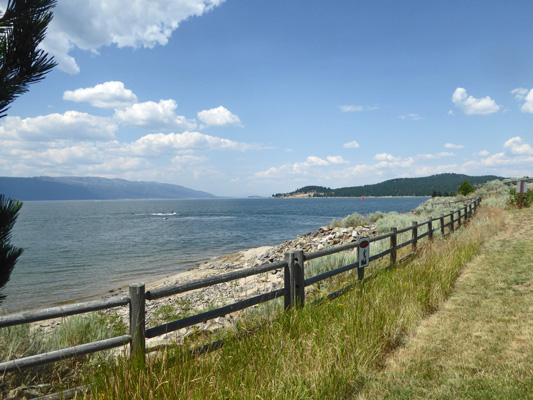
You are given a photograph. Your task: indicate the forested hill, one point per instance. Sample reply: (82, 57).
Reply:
(89, 188)
(441, 184)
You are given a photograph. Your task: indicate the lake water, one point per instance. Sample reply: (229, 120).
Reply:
(80, 249)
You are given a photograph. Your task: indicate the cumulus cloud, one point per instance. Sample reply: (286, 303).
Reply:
(386, 157)
(437, 169)
(337, 160)
(436, 155)
(219, 116)
(90, 25)
(155, 144)
(154, 116)
(453, 146)
(105, 95)
(72, 125)
(516, 146)
(308, 168)
(302, 168)
(526, 96)
(472, 106)
(515, 160)
(482, 153)
(351, 145)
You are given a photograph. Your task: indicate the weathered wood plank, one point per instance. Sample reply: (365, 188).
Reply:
(219, 312)
(57, 355)
(205, 282)
(61, 311)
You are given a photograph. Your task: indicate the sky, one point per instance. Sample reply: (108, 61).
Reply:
(257, 97)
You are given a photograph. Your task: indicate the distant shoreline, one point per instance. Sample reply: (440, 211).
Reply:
(345, 197)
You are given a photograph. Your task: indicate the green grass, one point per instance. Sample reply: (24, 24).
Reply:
(326, 350)
(22, 341)
(480, 346)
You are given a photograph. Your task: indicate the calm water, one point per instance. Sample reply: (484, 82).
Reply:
(78, 249)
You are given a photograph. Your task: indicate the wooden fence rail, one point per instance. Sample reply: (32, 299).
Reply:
(293, 292)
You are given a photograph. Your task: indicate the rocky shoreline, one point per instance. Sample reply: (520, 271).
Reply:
(163, 310)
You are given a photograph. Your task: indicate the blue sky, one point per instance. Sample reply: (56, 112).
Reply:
(255, 97)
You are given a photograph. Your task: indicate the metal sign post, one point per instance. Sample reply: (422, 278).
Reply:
(363, 253)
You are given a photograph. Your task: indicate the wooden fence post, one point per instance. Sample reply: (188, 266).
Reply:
(459, 220)
(466, 213)
(137, 321)
(287, 282)
(415, 235)
(442, 224)
(295, 259)
(452, 215)
(393, 245)
(430, 228)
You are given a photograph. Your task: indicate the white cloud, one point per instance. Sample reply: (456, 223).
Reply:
(516, 146)
(412, 117)
(351, 108)
(351, 145)
(155, 144)
(519, 93)
(516, 160)
(470, 105)
(154, 116)
(337, 160)
(219, 116)
(522, 94)
(301, 168)
(188, 159)
(436, 155)
(313, 161)
(454, 146)
(105, 95)
(90, 25)
(386, 157)
(436, 169)
(72, 125)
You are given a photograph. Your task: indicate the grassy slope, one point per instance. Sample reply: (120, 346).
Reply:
(480, 345)
(325, 351)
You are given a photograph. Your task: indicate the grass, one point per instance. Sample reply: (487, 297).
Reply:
(480, 345)
(22, 341)
(326, 350)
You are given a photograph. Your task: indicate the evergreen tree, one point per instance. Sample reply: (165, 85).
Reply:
(22, 28)
(8, 253)
(465, 188)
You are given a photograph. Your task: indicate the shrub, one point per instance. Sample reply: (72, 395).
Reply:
(527, 197)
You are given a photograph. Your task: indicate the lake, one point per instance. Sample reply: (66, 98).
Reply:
(80, 249)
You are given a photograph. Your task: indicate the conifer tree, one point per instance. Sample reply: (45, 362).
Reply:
(465, 188)
(9, 254)
(22, 27)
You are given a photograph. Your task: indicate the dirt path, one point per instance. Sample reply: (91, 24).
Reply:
(480, 345)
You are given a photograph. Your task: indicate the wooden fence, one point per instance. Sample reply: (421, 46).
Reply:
(293, 292)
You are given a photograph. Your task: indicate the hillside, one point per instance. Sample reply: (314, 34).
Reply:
(85, 188)
(441, 184)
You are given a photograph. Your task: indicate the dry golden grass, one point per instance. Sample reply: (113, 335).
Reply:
(480, 345)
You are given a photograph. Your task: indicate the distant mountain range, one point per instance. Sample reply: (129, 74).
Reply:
(441, 185)
(85, 188)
